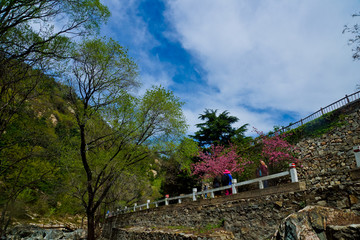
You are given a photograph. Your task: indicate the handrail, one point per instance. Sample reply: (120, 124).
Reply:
(273, 176)
(331, 107)
(292, 172)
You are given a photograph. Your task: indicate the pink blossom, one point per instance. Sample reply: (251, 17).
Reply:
(219, 158)
(276, 149)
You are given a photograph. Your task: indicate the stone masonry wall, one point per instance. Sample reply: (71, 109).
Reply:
(327, 159)
(254, 218)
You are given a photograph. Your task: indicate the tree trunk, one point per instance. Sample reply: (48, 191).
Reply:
(4, 220)
(90, 202)
(91, 226)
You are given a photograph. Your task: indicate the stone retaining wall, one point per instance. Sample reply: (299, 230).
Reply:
(148, 235)
(253, 218)
(327, 159)
(145, 233)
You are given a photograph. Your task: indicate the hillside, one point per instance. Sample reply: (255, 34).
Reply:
(40, 165)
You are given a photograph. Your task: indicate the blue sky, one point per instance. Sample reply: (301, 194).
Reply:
(266, 62)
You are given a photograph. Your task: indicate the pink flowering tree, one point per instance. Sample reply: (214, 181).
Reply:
(219, 158)
(276, 151)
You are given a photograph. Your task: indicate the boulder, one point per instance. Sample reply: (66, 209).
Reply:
(351, 231)
(319, 223)
(31, 232)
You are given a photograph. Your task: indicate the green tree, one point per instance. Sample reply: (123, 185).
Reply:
(177, 168)
(29, 154)
(217, 129)
(132, 128)
(184, 153)
(27, 31)
(30, 40)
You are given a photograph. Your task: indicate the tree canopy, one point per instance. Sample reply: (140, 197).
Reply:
(28, 32)
(34, 35)
(132, 129)
(30, 39)
(217, 129)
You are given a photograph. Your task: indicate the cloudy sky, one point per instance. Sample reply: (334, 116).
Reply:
(267, 62)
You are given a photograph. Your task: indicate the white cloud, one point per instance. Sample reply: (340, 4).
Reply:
(261, 58)
(129, 29)
(284, 55)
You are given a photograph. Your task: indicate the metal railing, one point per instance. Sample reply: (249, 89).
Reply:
(338, 104)
(194, 195)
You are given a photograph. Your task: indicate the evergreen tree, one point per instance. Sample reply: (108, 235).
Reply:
(218, 130)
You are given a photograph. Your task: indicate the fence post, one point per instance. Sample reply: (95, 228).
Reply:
(135, 207)
(179, 200)
(156, 204)
(148, 204)
(293, 172)
(212, 194)
(347, 99)
(233, 186)
(194, 194)
(357, 155)
(166, 200)
(261, 185)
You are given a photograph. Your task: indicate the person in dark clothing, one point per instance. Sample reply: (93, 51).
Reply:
(216, 184)
(226, 179)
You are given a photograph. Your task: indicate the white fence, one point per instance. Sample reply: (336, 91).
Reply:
(292, 172)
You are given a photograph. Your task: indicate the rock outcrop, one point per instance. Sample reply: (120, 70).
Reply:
(319, 223)
(30, 232)
(144, 233)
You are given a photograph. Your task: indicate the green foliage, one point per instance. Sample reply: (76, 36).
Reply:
(253, 154)
(302, 204)
(118, 133)
(316, 127)
(28, 195)
(217, 129)
(156, 189)
(184, 154)
(31, 168)
(87, 144)
(21, 40)
(161, 115)
(210, 227)
(177, 182)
